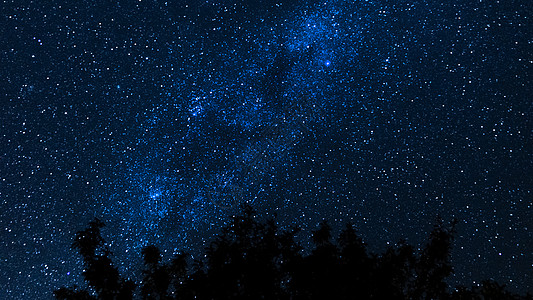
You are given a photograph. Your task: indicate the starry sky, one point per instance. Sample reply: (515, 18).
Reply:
(162, 117)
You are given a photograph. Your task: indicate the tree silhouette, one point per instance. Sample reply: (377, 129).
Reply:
(253, 259)
(355, 264)
(99, 273)
(246, 260)
(156, 279)
(434, 263)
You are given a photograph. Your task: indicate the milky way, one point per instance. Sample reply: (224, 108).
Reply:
(162, 117)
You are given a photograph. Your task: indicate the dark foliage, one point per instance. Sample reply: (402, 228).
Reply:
(256, 260)
(99, 273)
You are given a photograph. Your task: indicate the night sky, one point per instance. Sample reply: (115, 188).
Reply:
(161, 117)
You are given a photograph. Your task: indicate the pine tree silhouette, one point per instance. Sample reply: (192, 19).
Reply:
(434, 264)
(355, 265)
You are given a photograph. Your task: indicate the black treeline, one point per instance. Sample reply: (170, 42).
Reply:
(250, 259)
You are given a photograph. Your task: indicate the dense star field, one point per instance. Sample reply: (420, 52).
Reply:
(161, 117)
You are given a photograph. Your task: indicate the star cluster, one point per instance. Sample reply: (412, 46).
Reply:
(161, 117)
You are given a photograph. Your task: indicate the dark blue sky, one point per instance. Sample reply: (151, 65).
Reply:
(160, 117)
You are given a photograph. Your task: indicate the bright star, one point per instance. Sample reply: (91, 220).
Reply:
(155, 194)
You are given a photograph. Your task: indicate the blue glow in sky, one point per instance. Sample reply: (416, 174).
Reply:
(160, 117)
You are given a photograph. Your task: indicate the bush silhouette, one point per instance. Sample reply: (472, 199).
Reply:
(253, 259)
